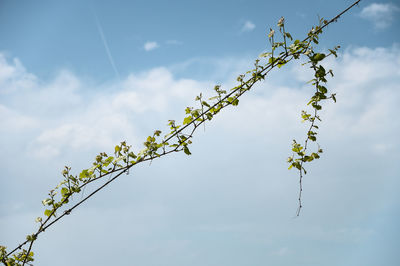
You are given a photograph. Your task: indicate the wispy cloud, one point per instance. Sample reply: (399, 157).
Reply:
(248, 26)
(382, 15)
(173, 42)
(148, 46)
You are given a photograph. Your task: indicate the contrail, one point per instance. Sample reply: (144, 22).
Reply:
(103, 38)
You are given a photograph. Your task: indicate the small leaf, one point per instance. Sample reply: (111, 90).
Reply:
(333, 97)
(313, 138)
(64, 191)
(205, 103)
(322, 89)
(117, 149)
(333, 52)
(46, 202)
(84, 174)
(318, 57)
(186, 150)
(271, 60)
(47, 212)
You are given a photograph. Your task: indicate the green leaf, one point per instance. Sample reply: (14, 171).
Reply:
(188, 110)
(265, 54)
(47, 212)
(213, 98)
(287, 34)
(271, 60)
(205, 103)
(186, 150)
(117, 149)
(322, 89)
(307, 158)
(84, 174)
(64, 191)
(76, 189)
(333, 52)
(297, 148)
(315, 155)
(281, 63)
(47, 202)
(321, 73)
(318, 57)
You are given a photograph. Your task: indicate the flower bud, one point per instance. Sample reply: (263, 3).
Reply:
(281, 22)
(271, 33)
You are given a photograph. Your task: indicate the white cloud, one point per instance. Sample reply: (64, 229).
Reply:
(248, 26)
(12, 121)
(71, 119)
(367, 85)
(382, 15)
(66, 117)
(148, 46)
(243, 180)
(13, 76)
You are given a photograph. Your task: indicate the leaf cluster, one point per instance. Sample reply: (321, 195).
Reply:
(300, 154)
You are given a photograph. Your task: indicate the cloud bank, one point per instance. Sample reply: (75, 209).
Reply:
(234, 191)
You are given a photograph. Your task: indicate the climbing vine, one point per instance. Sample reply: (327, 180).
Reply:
(180, 135)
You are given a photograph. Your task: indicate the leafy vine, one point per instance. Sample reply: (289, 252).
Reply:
(180, 135)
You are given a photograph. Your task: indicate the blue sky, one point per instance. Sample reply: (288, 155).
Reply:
(78, 77)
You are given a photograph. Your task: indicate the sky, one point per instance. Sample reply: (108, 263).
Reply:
(78, 77)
